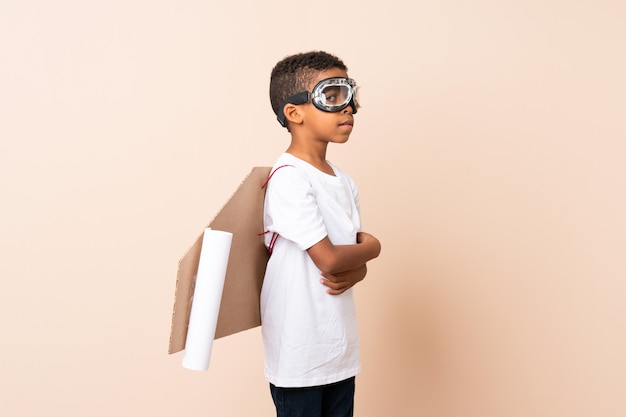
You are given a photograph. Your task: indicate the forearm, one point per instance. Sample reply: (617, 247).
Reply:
(333, 259)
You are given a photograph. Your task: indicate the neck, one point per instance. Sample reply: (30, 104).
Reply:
(315, 156)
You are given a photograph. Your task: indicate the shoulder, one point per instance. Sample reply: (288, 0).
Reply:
(287, 172)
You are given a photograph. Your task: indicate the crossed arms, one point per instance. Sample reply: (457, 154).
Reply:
(342, 266)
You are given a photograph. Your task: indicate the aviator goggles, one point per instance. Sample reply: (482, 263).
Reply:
(330, 95)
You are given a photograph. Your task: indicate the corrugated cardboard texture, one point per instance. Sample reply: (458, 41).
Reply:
(242, 216)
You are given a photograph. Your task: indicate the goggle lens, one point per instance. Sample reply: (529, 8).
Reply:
(335, 95)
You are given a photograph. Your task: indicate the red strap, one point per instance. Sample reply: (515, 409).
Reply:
(273, 240)
(273, 172)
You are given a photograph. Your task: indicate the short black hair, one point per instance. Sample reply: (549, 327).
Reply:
(294, 73)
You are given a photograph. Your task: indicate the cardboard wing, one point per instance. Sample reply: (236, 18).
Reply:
(242, 216)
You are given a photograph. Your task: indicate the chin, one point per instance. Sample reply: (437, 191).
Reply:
(341, 140)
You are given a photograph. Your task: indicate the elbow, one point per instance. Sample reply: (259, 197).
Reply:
(327, 259)
(328, 264)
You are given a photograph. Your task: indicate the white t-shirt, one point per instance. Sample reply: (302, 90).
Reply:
(310, 337)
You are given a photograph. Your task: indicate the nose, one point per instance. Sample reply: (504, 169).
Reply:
(352, 105)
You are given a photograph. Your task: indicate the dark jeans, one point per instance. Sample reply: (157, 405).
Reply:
(332, 400)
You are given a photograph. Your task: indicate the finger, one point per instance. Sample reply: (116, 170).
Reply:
(336, 292)
(339, 288)
(330, 284)
(330, 277)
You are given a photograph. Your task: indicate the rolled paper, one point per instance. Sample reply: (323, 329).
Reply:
(207, 296)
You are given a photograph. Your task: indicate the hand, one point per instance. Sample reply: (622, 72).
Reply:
(340, 282)
(362, 237)
(366, 238)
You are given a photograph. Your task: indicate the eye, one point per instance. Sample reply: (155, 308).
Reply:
(331, 94)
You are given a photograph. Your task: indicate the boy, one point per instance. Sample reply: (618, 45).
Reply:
(317, 250)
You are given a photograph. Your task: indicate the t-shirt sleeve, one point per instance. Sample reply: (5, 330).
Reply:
(291, 208)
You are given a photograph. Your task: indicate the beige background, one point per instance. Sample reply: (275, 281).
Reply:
(490, 157)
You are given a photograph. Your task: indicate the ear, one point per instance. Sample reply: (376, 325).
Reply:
(293, 115)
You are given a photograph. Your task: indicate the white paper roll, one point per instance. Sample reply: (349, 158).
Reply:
(207, 296)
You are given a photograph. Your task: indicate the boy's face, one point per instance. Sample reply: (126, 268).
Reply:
(327, 126)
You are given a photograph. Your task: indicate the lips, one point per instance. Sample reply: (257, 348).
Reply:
(348, 122)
